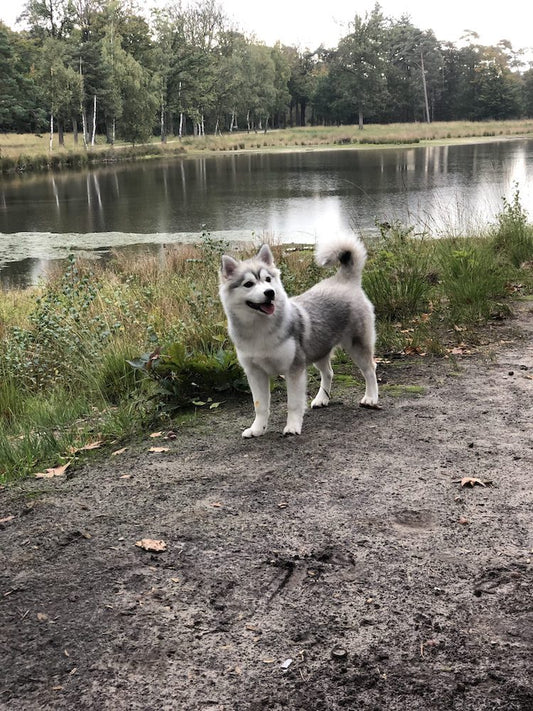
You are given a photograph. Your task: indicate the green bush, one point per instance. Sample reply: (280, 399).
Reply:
(513, 236)
(473, 283)
(398, 277)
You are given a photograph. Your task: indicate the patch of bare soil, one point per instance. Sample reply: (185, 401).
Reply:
(343, 569)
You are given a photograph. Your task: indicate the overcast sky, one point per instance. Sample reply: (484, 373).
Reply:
(308, 23)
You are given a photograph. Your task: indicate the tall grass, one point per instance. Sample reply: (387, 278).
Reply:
(103, 351)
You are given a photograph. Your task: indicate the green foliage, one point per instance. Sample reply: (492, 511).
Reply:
(61, 336)
(398, 278)
(186, 377)
(188, 70)
(473, 281)
(513, 236)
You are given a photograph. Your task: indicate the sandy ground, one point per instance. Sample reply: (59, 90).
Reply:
(343, 569)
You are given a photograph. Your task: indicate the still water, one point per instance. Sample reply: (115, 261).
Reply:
(290, 197)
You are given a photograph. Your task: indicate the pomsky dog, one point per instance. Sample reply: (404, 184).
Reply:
(277, 335)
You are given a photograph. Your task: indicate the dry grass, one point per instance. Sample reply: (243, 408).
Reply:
(14, 145)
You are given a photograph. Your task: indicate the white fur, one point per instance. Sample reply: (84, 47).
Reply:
(276, 335)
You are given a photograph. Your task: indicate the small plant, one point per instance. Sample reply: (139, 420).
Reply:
(472, 282)
(185, 377)
(398, 277)
(514, 236)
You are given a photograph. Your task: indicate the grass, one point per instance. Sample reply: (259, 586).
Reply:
(103, 352)
(27, 152)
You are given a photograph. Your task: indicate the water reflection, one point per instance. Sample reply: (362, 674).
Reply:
(293, 196)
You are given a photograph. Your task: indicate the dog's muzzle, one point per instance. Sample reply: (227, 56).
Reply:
(267, 307)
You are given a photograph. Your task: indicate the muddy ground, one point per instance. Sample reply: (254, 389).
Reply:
(343, 569)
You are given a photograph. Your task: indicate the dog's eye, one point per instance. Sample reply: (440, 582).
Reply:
(268, 279)
(248, 284)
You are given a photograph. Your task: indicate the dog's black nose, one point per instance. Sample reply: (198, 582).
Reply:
(270, 294)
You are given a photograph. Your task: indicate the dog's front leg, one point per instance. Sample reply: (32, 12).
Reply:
(259, 383)
(296, 396)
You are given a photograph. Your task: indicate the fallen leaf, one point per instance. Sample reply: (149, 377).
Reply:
(6, 519)
(87, 447)
(159, 449)
(118, 451)
(156, 434)
(471, 481)
(217, 505)
(42, 617)
(55, 471)
(151, 545)
(125, 476)
(463, 521)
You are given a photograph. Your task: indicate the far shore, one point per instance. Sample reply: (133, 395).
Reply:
(23, 153)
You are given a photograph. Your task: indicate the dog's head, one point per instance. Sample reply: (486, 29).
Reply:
(253, 284)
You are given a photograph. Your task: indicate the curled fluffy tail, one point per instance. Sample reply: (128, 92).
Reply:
(348, 251)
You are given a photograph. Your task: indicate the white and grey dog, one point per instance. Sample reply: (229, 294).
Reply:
(277, 335)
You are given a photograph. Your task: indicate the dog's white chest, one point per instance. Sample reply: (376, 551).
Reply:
(273, 361)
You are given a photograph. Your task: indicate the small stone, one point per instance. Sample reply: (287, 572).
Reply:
(338, 653)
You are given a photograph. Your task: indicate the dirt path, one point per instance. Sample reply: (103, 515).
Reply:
(344, 569)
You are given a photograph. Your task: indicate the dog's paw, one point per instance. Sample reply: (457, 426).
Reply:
(320, 401)
(288, 431)
(370, 403)
(253, 432)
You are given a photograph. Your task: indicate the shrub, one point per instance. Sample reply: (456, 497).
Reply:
(398, 278)
(473, 283)
(513, 236)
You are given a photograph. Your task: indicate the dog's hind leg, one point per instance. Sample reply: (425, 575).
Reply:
(326, 378)
(364, 358)
(259, 383)
(296, 396)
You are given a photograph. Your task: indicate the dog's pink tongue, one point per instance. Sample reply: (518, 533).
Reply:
(267, 309)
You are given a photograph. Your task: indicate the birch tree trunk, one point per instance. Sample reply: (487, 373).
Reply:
(51, 130)
(94, 121)
(428, 119)
(84, 127)
(82, 110)
(180, 129)
(162, 122)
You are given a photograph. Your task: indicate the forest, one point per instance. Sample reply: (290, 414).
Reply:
(108, 68)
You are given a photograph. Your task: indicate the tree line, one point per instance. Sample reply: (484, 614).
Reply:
(104, 67)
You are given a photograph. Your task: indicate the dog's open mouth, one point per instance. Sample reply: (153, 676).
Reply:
(267, 307)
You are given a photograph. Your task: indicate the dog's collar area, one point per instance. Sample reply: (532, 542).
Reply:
(267, 307)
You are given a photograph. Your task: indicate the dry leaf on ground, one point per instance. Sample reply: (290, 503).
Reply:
(152, 545)
(55, 471)
(159, 449)
(87, 447)
(471, 481)
(118, 451)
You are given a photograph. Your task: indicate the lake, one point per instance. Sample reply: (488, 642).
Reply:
(286, 196)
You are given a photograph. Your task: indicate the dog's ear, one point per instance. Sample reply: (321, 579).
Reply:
(229, 265)
(266, 256)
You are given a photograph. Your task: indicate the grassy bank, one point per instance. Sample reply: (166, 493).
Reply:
(24, 153)
(101, 353)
